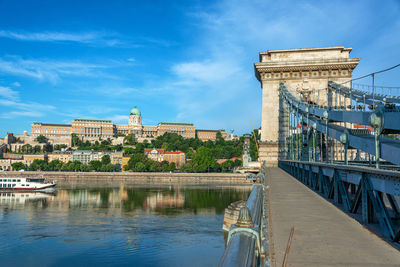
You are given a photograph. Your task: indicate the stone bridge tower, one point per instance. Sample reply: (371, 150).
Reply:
(302, 70)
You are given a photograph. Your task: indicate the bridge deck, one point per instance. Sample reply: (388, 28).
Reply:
(324, 235)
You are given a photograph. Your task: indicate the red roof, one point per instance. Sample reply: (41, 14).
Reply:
(159, 150)
(358, 126)
(174, 152)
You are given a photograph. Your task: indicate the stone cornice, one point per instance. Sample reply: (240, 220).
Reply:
(341, 48)
(304, 65)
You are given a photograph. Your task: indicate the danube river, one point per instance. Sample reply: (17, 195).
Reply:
(115, 226)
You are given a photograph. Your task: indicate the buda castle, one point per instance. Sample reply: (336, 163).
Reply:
(91, 129)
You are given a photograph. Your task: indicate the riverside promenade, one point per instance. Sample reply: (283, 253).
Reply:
(324, 235)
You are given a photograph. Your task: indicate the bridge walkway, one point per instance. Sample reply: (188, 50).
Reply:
(324, 235)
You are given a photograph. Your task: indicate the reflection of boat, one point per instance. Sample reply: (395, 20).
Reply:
(26, 184)
(20, 198)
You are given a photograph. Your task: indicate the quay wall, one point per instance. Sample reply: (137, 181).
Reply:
(134, 177)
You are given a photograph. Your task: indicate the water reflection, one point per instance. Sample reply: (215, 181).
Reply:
(152, 200)
(123, 225)
(14, 199)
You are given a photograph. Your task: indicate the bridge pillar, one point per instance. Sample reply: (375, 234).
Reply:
(302, 70)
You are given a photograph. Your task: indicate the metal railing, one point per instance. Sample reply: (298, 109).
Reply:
(247, 243)
(371, 195)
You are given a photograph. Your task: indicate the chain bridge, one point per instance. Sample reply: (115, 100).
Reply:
(332, 154)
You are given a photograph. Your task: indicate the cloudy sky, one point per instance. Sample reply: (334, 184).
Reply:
(187, 61)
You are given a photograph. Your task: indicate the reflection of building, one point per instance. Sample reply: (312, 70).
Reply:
(99, 128)
(163, 200)
(178, 157)
(21, 198)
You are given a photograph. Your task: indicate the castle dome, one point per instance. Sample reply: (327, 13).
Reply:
(135, 111)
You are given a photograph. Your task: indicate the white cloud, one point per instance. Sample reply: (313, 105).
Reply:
(8, 93)
(93, 38)
(123, 119)
(16, 84)
(17, 108)
(117, 91)
(30, 113)
(48, 70)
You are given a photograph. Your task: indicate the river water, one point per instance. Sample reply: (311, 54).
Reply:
(115, 226)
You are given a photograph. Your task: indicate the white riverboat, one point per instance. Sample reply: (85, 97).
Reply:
(26, 184)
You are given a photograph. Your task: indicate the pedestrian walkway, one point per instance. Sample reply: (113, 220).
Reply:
(324, 235)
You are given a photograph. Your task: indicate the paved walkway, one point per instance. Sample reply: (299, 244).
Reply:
(324, 235)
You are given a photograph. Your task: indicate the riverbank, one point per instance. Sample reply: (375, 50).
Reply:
(135, 177)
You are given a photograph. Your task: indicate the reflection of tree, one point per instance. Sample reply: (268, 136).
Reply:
(166, 201)
(196, 199)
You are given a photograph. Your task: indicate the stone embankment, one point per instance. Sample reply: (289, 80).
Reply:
(135, 177)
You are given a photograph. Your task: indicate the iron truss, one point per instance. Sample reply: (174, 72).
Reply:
(382, 115)
(316, 138)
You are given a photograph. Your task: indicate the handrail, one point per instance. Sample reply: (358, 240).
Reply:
(247, 243)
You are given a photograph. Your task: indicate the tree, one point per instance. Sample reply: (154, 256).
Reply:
(105, 160)
(140, 167)
(19, 166)
(106, 142)
(219, 139)
(47, 148)
(107, 167)
(54, 165)
(27, 148)
(130, 139)
(76, 141)
(165, 167)
(172, 166)
(203, 160)
(253, 145)
(188, 167)
(60, 146)
(41, 139)
(95, 165)
(36, 149)
(237, 163)
(152, 166)
(38, 165)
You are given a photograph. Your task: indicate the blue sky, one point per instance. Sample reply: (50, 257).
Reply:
(189, 61)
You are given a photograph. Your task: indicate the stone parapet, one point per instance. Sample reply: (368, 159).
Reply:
(81, 178)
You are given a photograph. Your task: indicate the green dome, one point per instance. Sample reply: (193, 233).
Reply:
(135, 111)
